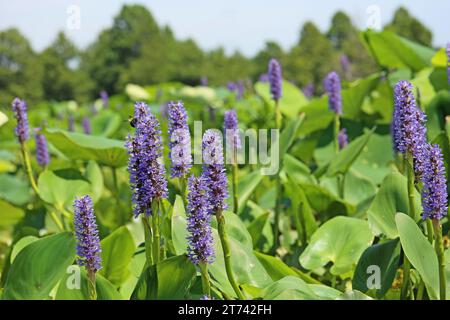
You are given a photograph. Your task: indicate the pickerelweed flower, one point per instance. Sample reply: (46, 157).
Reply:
(231, 86)
(86, 125)
(200, 237)
(275, 79)
(147, 172)
(105, 98)
(86, 232)
(264, 78)
(22, 130)
(408, 127)
(434, 192)
(308, 91)
(42, 155)
(342, 138)
(71, 126)
(180, 140)
(214, 171)
(230, 126)
(332, 85)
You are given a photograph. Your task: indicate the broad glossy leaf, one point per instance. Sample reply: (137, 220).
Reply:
(289, 134)
(256, 226)
(59, 191)
(117, 250)
(247, 185)
(79, 146)
(105, 124)
(95, 177)
(420, 252)
(20, 245)
(67, 289)
(390, 199)
(341, 241)
(385, 257)
(276, 268)
(39, 266)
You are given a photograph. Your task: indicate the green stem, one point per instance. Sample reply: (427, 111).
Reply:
(412, 214)
(205, 279)
(336, 129)
(341, 185)
(156, 234)
(148, 240)
(56, 220)
(227, 253)
(91, 285)
(234, 178)
(276, 231)
(439, 247)
(28, 169)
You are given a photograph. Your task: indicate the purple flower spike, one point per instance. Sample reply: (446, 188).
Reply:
(147, 172)
(408, 127)
(264, 78)
(71, 121)
(345, 64)
(214, 171)
(275, 79)
(200, 239)
(87, 125)
(332, 85)
(22, 130)
(42, 156)
(308, 91)
(204, 81)
(342, 139)
(180, 140)
(434, 192)
(230, 126)
(86, 232)
(105, 98)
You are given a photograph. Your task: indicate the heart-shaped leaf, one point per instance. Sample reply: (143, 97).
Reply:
(341, 240)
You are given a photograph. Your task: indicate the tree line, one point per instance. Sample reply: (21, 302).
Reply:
(135, 49)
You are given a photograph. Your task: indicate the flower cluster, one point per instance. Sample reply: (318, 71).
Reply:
(105, 98)
(147, 172)
(200, 238)
(42, 156)
(214, 171)
(408, 127)
(87, 125)
(332, 85)
(180, 140)
(275, 79)
(308, 91)
(88, 241)
(22, 130)
(434, 192)
(230, 126)
(342, 139)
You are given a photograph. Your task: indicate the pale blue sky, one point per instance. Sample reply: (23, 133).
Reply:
(235, 24)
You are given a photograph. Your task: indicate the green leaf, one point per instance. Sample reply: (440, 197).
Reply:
(3, 118)
(393, 51)
(20, 245)
(77, 146)
(384, 256)
(297, 170)
(117, 251)
(105, 124)
(341, 241)
(59, 191)
(9, 215)
(14, 190)
(353, 97)
(276, 268)
(289, 134)
(68, 290)
(344, 160)
(39, 266)
(390, 199)
(353, 295)
(255, 228)
(168, 280)
(247, 185)
(420, 252)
